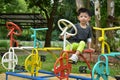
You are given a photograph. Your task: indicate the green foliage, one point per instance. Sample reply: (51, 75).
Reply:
(14, 6)
(92, 22)
(45, 7)
(55, 35)
(22, 6)
(67, 11)
(103, 12)
(26, 35)
(115, 41)
(117, 34)
(3, 32)
(4, 44)
(117, 8)
(41, 35)
(2, 5)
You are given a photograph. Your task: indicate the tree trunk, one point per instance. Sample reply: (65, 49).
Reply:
(110, 11)
(49, 32)
(79, 4)
(88, 4)
(50, 21)
(97, 24)
(110, 19)
(97, 33)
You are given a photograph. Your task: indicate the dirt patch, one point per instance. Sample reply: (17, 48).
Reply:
(3, 77)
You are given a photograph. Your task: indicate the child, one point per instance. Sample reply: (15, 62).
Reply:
(83, 36)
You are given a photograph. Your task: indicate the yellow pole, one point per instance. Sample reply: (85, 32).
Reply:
(102, 38)
(103, 48)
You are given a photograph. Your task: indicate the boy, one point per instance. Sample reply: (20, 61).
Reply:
(83, 36)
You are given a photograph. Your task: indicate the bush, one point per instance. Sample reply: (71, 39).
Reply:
(4, 44)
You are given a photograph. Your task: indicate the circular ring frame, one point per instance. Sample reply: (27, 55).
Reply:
(33, 62)
(11, 25)
(62, 68)
(7, 60)
(99, 69)
(64, 21)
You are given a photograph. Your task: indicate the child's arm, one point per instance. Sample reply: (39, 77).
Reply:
(89, 42)
(89, 45)
(67, 36)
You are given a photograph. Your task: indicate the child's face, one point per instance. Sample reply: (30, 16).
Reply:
(84, 18)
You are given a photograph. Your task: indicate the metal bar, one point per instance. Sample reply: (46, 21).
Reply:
(111, 28)
(23, 76)
(70, 76)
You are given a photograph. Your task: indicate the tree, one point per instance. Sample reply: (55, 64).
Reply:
(48, 9)
(2, 5)
(11, 6)
(110, 16)
(14, 6)
(80, 4)
(110, 11)
(97, 23)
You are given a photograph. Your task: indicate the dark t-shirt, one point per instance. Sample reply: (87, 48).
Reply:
(82, 34)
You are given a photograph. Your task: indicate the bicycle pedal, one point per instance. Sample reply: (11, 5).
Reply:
(1, 54)
(17, 67)
(117, 77)
(43, 58)
(83, 69)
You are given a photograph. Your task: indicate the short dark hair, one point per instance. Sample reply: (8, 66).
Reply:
(84, 10)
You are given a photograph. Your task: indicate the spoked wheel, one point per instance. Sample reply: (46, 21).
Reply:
(13, 28)
(62, 68)
(99, 71)
(9, 60)
(33, 63)
(65, 25)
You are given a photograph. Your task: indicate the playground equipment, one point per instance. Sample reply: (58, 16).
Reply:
(62, 68)
(33, 65)
(101, 68)
(48, 76)
(14, 30)
(35, 38)
(9, 59)
(102, 38)
(33, 61)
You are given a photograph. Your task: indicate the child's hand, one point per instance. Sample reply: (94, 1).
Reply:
(61, 37)
(92, 49)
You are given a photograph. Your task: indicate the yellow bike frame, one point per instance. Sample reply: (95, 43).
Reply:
(33, 61)
(102, 38)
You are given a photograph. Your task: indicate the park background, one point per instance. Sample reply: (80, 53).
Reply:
(52, 11)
